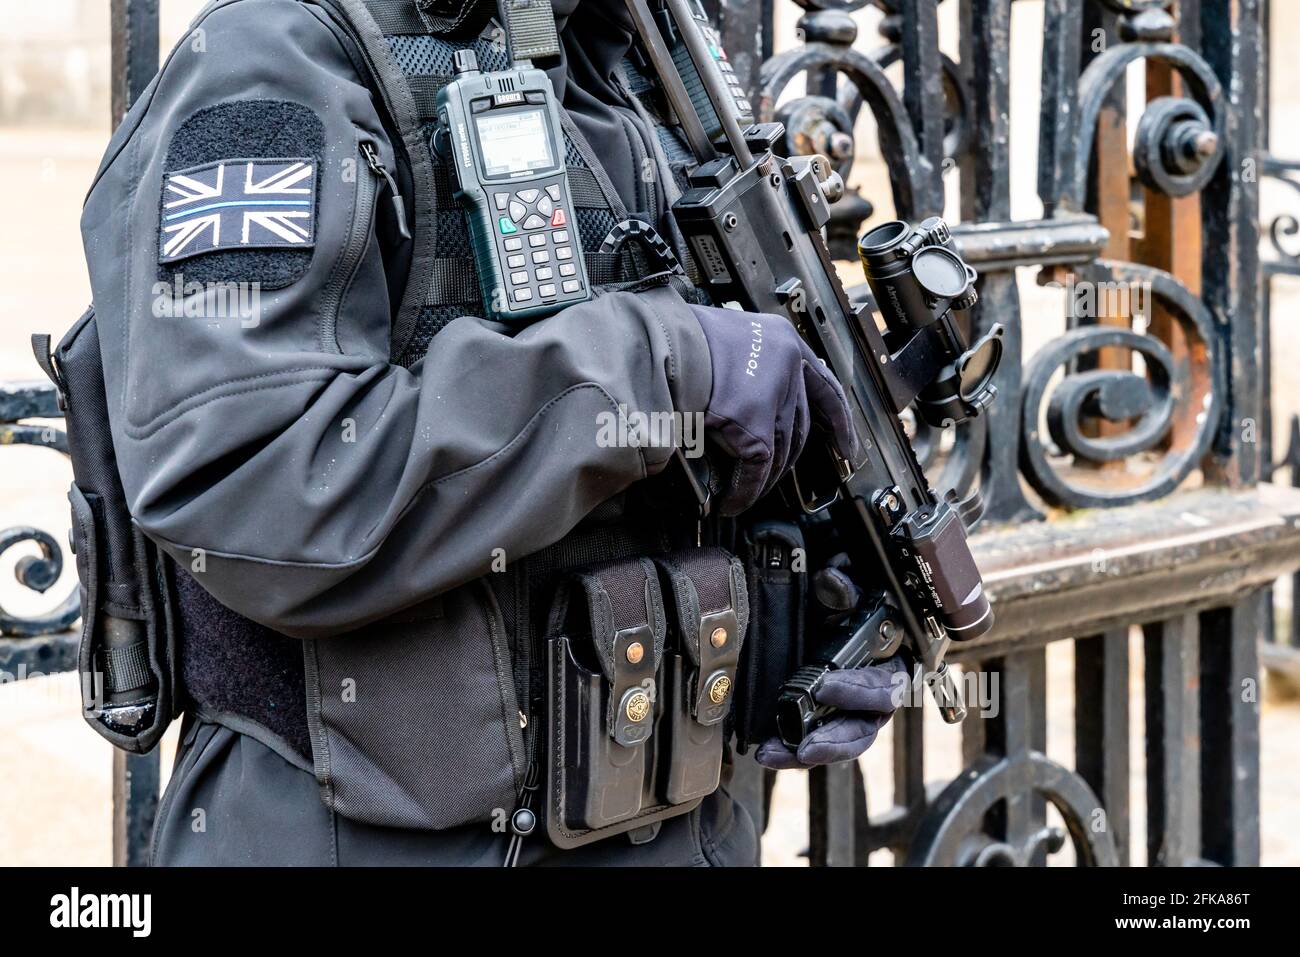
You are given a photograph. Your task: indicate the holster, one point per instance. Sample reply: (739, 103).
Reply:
(638, 690)
(127, 654)
(778, 598)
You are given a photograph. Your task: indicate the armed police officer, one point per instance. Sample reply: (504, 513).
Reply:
(413, 608)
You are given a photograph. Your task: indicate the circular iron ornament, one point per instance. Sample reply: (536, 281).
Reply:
(909, 171)
(1114, 395)
(37, 572)
(817, 124)
(951, 832)
(1175, 150)
(1110, 68)
(1117, 395)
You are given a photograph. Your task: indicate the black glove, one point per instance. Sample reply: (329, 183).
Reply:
(867, 697)
(768, 387)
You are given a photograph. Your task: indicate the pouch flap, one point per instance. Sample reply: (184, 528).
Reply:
(620, 607)
(707, 587)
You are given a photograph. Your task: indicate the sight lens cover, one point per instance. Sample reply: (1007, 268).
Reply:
(978, 364)
(940, 272)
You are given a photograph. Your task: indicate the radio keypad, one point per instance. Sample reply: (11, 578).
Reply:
(540, 213)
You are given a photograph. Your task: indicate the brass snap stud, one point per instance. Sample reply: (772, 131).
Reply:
(637, 707)
(718, 638)
(718, 690)
(635, 652)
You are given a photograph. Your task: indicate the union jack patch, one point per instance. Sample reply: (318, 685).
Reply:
(238, 204)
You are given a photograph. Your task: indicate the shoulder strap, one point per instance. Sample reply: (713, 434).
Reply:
(397, 17)
(395, 94)
(449, 18)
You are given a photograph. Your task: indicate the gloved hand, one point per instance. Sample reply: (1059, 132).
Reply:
(867, 696)
(768, 387)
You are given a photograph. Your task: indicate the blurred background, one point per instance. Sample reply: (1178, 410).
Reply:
(54, 124)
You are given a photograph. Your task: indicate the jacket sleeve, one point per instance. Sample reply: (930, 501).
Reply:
(274, 448)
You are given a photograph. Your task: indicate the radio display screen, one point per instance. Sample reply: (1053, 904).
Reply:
(514, 142)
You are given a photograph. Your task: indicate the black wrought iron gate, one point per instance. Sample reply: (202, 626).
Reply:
(1122, 461)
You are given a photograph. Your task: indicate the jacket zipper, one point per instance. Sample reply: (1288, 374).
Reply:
(395, 197)
(363, 217)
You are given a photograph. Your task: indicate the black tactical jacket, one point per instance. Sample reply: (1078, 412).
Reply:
(233, 437)
(308, 482)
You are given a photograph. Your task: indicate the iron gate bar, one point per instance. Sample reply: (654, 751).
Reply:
(985, 64)
(1230, 732)
(1173, 741)
(134, 46)
(1233, 40)
(135, 52)
(1101, 727)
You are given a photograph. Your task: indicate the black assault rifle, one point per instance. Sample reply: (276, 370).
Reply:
(753, 221)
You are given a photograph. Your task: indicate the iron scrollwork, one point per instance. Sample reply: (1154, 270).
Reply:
(827, 55)
(1148, 402)
(1179, 141)
(953, 832)
(1285, 226)
(36, 572)
(1178, 146)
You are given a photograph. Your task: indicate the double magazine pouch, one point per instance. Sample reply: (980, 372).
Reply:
(638, 688)
(127, 652)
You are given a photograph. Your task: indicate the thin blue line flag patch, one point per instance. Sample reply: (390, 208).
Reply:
(238, 204)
